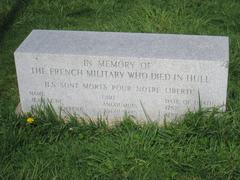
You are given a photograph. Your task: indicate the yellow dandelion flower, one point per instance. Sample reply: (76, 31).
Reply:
(30, 120)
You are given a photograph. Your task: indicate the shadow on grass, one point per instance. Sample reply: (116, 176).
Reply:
(10, 16)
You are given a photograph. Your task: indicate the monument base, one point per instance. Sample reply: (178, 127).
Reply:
(18, 109)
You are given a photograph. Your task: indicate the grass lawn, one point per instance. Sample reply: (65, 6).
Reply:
(205, 145)
(6, 7)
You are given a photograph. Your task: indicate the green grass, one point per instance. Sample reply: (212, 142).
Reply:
(5, 8)
(8, 11)
(205, 145)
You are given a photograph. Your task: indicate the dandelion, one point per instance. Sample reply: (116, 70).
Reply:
(30, 120)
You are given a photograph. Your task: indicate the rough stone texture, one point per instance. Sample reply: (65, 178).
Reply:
(150, 76)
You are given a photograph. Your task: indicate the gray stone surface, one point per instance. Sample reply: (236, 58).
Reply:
(106, 73)
(142, 45)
